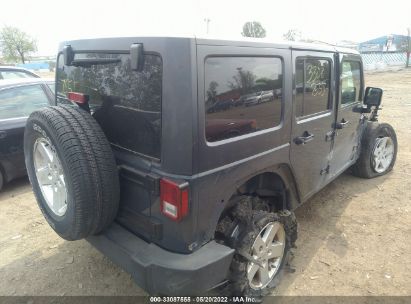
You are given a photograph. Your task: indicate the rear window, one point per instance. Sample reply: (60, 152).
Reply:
(126, 103)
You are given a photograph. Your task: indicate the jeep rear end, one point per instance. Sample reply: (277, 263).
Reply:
(145, 102)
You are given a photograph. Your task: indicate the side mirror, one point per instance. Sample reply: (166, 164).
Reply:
(373, 97)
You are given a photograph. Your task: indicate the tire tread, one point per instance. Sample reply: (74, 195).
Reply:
(92, 170)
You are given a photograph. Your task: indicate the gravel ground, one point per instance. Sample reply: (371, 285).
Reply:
(354, 235)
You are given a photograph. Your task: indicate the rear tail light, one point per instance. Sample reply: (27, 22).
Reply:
(76, 97)
(174, 199)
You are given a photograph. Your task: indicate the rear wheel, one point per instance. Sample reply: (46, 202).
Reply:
(268, 249)
(262, 241)
(72, 170)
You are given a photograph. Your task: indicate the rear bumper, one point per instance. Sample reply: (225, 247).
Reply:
(159, 271)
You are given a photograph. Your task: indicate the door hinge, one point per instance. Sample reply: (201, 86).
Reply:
(326, 170)
(330, 135)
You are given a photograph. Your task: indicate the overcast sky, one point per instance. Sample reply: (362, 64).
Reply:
(53, 21)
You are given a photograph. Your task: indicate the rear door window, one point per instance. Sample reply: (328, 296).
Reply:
(243, 95)
(126, 103)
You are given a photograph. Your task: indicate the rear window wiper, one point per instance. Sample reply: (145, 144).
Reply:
(94, 61)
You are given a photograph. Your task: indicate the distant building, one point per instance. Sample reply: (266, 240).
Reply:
(389, 43)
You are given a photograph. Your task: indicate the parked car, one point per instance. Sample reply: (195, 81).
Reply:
(220, 105)
(196, 212)
(18, 98)
(11, 72)
(259, 97)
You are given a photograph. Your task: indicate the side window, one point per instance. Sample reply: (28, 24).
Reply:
(21, 101)
(312, 86)
(350, 81)
(242, 95)
(52, 87)
(14, 75)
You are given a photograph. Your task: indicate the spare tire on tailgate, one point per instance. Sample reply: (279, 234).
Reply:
(72, 170)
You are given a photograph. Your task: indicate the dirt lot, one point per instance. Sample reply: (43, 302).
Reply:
(354, 236)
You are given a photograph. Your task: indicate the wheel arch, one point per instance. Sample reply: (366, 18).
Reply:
(265, 183)
(270, 183)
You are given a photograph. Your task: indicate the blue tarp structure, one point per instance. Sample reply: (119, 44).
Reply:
(34, 65)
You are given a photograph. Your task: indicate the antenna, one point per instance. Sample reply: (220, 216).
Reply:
(207, 21)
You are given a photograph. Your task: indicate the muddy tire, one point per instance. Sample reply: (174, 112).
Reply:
(378, 151)
(72, 171)
(251, 226)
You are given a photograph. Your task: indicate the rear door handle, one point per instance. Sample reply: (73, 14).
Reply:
(3, 134)
(302, 140)
(342, 124)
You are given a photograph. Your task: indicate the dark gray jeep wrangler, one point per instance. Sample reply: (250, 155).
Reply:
(182, 159)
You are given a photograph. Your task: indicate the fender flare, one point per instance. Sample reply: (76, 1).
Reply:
(283, 171)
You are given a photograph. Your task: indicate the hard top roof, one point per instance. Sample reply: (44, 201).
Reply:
(240, 41)
(263, 42)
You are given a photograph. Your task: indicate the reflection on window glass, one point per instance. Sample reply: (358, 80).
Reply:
(242, 95)
(21, 101)
(126, 103)
(350, 82)
(312, 86)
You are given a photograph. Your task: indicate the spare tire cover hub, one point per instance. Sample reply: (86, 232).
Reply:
(50, 176)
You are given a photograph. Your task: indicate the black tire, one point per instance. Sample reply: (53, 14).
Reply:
(364, 165)
(88, 164)
(251, 223)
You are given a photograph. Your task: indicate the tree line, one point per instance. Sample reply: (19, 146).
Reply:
(16, 45)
